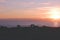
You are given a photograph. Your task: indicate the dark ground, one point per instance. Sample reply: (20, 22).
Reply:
(29, 33)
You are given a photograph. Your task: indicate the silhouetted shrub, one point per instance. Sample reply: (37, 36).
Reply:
(44, 26)
(32, 25)
(1, 26)
(18, 26)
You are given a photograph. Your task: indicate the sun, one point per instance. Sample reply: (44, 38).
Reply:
(54, 13)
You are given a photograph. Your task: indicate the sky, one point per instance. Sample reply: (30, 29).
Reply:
(26, 8)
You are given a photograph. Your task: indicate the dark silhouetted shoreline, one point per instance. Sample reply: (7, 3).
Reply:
(33, 32)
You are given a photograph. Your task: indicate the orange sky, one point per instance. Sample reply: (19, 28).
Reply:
(26, 13)
(27, 9)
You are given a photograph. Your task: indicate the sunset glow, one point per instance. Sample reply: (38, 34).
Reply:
(47, 11)
(35, 9)
(54, 13)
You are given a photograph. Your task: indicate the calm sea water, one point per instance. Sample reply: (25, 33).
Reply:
(13, 23)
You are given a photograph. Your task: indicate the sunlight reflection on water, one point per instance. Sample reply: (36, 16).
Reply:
(55, 23)
(10, 23)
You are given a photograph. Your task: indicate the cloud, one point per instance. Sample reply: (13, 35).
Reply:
(35, 4)
(44, 3)
(23, 3)
(31, 4)
(2, 1)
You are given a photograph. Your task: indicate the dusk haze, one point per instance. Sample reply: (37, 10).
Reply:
(46, 10)
(29, 19)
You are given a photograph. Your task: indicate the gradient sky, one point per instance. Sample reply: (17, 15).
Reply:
(26, 8)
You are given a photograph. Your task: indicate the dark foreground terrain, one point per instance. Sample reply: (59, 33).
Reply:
(32, 32)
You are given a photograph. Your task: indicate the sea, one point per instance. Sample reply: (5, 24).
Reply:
(25, 22)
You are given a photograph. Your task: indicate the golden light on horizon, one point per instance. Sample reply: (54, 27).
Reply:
(54, 14)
